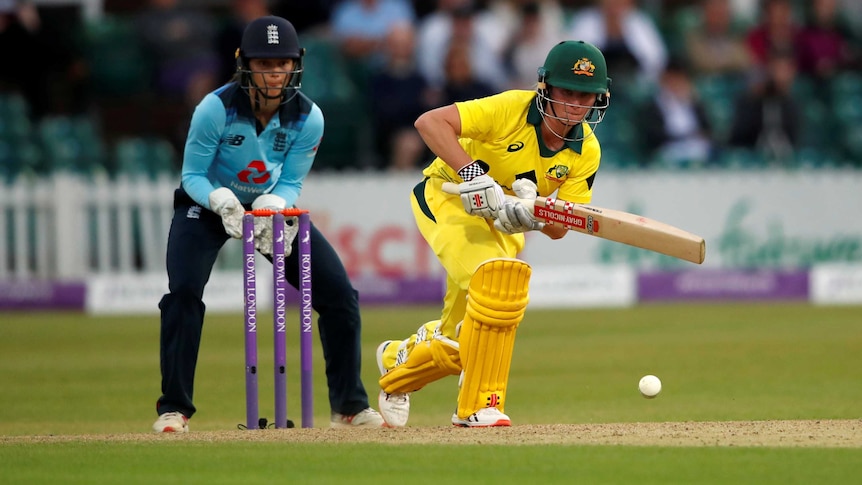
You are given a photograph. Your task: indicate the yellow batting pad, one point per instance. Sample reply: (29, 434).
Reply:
(428, 361)
(497, 300)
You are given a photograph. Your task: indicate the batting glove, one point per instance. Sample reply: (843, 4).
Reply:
(515, 217)
(480, 194)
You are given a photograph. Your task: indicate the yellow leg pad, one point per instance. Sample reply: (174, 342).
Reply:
(497, 300)
(427, 362)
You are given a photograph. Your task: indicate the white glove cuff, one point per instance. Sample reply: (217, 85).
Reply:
(525, 189)
(267, 201)
(220, 197)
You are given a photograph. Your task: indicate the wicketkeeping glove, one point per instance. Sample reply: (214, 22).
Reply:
(515, 217)
(224, 203)
(263, 225)
(291, 228)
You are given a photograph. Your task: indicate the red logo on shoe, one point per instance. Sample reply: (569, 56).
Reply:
(255, 167)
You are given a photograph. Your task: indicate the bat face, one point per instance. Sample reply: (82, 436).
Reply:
(613, 225)
(547, 211)
(623, 227)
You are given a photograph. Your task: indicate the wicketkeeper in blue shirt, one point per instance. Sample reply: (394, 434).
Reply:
(250, 145)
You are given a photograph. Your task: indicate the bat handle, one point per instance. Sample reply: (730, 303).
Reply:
(451, 188)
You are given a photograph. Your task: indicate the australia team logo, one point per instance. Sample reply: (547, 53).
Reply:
(557, 173)
(584, 67)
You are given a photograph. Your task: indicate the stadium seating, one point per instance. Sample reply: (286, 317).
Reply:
(71, 144)
(14, 116)
(718, 94)
(144, 157)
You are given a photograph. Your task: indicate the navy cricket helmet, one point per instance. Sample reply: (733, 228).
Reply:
(270, 37)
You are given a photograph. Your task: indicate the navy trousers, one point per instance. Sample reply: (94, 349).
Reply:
(195, 239)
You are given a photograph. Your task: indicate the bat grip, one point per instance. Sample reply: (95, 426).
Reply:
(451, 188)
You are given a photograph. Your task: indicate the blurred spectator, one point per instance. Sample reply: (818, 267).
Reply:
(400, 95)
(360, 27)
(746, 11)
(307, 16)
(460, 21)
(424, 7)
(20, 40)
(676, 130)
(59, 82)
(461, 83)
(825, 41)
(766, 117)
(180, 44)
(537, 26)
(229, 35)
(776, 31)
(713, 47)
(852, 12)
(633, 46)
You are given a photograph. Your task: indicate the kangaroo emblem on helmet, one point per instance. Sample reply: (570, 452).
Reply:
(584, 67)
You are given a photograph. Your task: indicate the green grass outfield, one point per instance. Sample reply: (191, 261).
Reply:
(78, 396)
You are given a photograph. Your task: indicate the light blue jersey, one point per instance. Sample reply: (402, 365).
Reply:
(224, 147)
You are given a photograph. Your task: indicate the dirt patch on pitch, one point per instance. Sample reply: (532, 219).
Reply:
(813, 433)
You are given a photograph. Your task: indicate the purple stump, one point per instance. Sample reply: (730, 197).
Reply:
(250, 307)
(278, 320)
(306, 319)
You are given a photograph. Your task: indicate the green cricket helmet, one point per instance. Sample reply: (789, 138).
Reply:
(578, 66)
(270, 37)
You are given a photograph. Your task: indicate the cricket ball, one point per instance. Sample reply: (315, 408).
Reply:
(649, 386)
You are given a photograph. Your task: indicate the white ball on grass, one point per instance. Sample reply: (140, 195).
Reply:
(649, 386)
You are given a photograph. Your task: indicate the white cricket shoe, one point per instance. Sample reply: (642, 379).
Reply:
(394, 407)
(173, 422)
(483, 418)
(367, 418)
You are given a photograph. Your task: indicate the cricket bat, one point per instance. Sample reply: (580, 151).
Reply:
(613, 225)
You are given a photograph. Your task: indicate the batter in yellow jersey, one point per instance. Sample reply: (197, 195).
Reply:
(522, 143)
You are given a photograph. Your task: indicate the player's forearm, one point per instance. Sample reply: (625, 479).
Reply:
(439, 129)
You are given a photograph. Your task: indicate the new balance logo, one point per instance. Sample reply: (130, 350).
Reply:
(234, 140)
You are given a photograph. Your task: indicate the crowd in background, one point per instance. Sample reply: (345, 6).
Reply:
(695, 82)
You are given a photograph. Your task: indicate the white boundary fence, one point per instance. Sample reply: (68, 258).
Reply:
(761, 230)
(69, 227)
